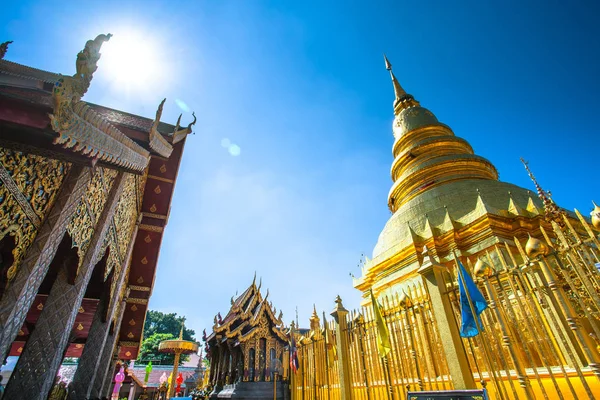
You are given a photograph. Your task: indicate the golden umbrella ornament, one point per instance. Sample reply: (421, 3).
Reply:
(177, 347)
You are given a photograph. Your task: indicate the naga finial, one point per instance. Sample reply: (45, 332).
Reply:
(159, 112)
(193, 122)
(87, 60)
(4, 48)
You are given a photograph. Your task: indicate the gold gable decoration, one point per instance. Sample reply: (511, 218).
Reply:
(29, 185)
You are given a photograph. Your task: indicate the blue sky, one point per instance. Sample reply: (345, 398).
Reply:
(301, 88)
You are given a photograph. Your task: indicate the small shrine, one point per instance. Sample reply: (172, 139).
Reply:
(246, 348)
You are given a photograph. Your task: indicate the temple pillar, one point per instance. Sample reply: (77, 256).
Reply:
(108, 384)
(41, 358)
(89, 362)
(21, 292)
(106, 363)
(343, 350)
(454, 350)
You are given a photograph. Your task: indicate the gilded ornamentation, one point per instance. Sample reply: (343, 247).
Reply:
(20, 350)
(132, 322)
(157, 189)
(81, 310)
(81, 226)
(163, 168)
(135, 300)
(130, 335)
(151, 228)
(40, 306)
(82, 129)
(143, 261)
(29, 187)
(139, 288)
(153, 208)
(134, 308)
(128, 354)
(126, 215)
(140, 280)
(157, 142)
(78, 346)
(148, 239)
(140, 184)
(79, 327)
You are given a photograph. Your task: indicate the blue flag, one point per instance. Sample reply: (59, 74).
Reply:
(468, 327)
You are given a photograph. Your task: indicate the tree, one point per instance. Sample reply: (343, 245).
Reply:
(158, 322)
(149, 350)
(160, 326)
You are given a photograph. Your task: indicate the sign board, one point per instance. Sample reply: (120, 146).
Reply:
(449, 395)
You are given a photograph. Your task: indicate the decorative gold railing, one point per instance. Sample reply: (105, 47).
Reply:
(540, 339)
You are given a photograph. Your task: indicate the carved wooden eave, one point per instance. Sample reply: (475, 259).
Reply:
(81, 129)
(157, 142)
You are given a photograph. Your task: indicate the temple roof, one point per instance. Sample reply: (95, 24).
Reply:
(98, 133)
(24, 71)
(248, 313)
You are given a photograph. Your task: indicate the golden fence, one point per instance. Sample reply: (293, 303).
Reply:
(540, 336)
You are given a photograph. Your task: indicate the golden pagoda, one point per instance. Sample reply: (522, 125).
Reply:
(444, 197)
(535, 267)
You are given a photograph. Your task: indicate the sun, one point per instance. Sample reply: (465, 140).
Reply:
(131, 59)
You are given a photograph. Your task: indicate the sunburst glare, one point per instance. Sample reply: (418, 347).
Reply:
(131, 60)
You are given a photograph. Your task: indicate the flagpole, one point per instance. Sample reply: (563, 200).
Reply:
(388, 377)
(384, 359)
(326, 356)
(486, 350)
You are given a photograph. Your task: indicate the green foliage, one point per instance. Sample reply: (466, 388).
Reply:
(158, 322)
(160, 326)
(149, 351)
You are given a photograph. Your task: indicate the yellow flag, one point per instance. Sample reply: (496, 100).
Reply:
(330, 346)
(383, 335)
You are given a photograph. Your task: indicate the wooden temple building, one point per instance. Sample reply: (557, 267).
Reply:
(246, 348)
(85, 192)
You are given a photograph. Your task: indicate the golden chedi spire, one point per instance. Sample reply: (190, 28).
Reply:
(443, 196)
(426, 152)
(403, 99)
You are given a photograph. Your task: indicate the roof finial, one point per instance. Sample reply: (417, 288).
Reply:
(182, 325)
(552, 211)
(4, 48)
(398, 90)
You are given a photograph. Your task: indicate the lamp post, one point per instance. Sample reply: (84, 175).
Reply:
(177, 347)
(277, 369)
